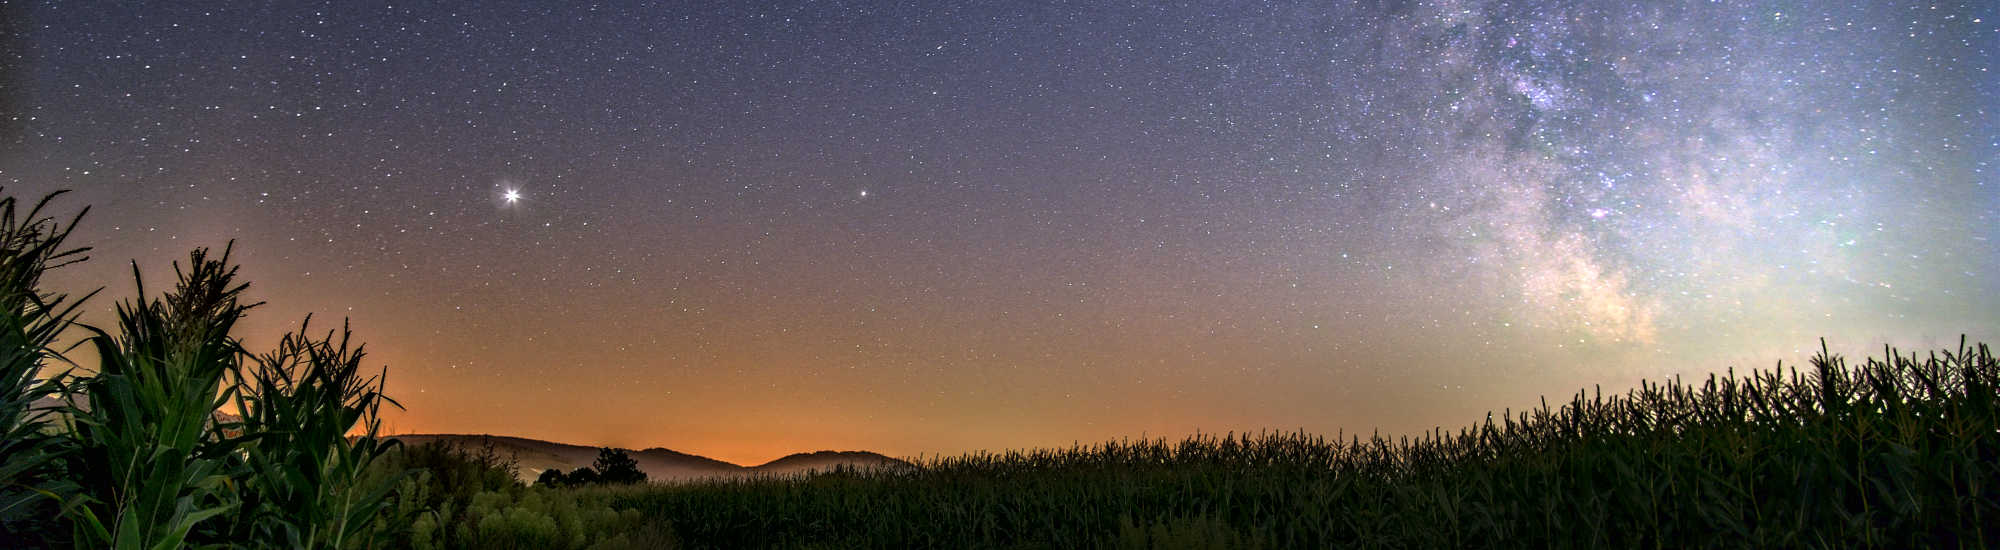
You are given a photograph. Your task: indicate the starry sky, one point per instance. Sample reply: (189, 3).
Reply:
(745, 229)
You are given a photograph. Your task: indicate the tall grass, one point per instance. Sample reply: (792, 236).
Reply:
(1898, 452)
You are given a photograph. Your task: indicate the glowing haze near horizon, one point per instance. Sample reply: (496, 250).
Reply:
(747, 230)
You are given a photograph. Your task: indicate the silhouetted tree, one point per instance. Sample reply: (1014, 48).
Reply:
(582, 476)
(615, 466)
(552, 477)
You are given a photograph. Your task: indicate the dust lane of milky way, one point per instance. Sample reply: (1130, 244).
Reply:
(752, 229)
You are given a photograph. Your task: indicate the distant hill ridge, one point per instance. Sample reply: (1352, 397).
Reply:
(532, 456)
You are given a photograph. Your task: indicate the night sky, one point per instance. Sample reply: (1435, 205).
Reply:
(745, 230)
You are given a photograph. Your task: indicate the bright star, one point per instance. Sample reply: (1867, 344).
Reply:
(512, 196)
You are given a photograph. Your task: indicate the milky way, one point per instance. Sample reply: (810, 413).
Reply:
(747, 230)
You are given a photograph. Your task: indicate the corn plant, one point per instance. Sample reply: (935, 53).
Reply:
(141, 453)
(308, 485)
(154, 460)
(30, 321)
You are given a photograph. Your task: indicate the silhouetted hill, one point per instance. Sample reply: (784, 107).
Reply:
(828, 460)
(532, 456)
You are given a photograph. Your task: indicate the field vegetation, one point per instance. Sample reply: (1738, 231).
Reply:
(1899, 451)
(173, 435)
(1896, 452)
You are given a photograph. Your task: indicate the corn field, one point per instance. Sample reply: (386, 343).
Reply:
(1897, 452)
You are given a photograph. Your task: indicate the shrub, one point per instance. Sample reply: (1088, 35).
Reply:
(539, 518)
(583, 475)
(435, 484)
(552, 477)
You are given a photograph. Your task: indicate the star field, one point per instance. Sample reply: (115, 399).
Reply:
(744, 230)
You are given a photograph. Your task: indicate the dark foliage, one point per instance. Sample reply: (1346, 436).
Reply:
(167, 440)
(31, 243)
(614, 466)
(444, 473)
(583, 475)
(1902, 452)
(552, 477)
(442, 480)
(302, 400)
